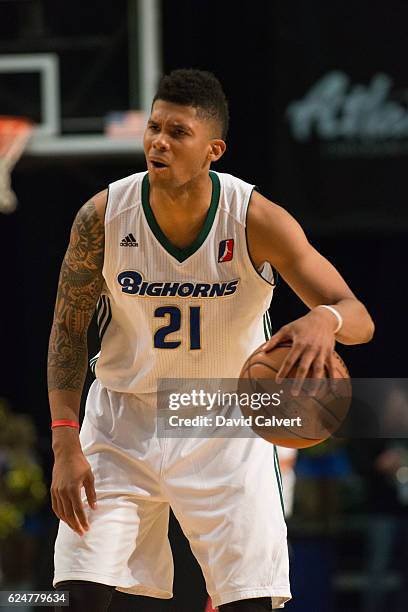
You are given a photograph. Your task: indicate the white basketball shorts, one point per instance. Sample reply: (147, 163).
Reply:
(224, 493)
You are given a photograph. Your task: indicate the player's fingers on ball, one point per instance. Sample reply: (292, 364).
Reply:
(318, 376)
(331, 360)
(330, 365)
(273, 341)
(318, 367)
(303, 370)
(290, 360)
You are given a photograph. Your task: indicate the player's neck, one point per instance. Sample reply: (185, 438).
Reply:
(194, 196)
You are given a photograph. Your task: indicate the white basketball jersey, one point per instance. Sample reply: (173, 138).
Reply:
(166, 312)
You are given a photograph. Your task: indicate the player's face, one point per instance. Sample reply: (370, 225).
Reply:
(179, 145)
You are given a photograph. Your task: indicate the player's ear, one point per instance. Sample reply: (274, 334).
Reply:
(217, 149)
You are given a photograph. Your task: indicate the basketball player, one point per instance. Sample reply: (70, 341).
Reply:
(180, 259)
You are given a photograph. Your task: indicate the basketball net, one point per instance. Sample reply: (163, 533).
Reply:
(14, 135)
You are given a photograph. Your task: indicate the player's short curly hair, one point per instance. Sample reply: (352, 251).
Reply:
(197, 88)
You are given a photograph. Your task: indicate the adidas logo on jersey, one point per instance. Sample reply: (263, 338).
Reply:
(129, 240)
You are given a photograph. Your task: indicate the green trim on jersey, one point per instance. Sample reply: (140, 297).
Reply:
(93, 361)
(103, 318)
(104, 315)
(265, 328)
(278, 477)
(181, 254)
(268, 333)
(267, 325)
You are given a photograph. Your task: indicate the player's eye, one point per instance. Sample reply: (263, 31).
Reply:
(154, 128)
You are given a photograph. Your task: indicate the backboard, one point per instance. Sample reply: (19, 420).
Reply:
(67, 76)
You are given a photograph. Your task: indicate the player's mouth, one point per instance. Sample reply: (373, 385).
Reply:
(158, 164)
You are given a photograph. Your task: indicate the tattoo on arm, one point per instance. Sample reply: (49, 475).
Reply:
(79, 287)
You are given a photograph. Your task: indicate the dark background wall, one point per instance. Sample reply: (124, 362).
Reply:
(348, 191)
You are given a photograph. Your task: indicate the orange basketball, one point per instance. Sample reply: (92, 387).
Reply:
(293, 421)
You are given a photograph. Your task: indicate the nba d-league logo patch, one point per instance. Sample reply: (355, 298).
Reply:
(226, 250)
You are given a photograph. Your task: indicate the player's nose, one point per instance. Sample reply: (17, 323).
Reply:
(160, 142)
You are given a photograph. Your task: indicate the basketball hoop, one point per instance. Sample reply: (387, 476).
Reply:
(14, 135)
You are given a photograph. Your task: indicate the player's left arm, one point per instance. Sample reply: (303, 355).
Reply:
(275, 236)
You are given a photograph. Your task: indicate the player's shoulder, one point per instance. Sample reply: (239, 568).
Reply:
(100, 200)
(259, 207)
(245, 202)
(97, 207)
(273, 233)
(125, 194)
(272, 225)
(92, 211)
(234, 196)
(262, 211)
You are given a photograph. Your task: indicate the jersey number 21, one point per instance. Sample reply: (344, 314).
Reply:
(174, 325)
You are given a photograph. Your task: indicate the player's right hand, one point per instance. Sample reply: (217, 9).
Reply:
(69, 475)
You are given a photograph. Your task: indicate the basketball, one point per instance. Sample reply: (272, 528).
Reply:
(294, 421)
